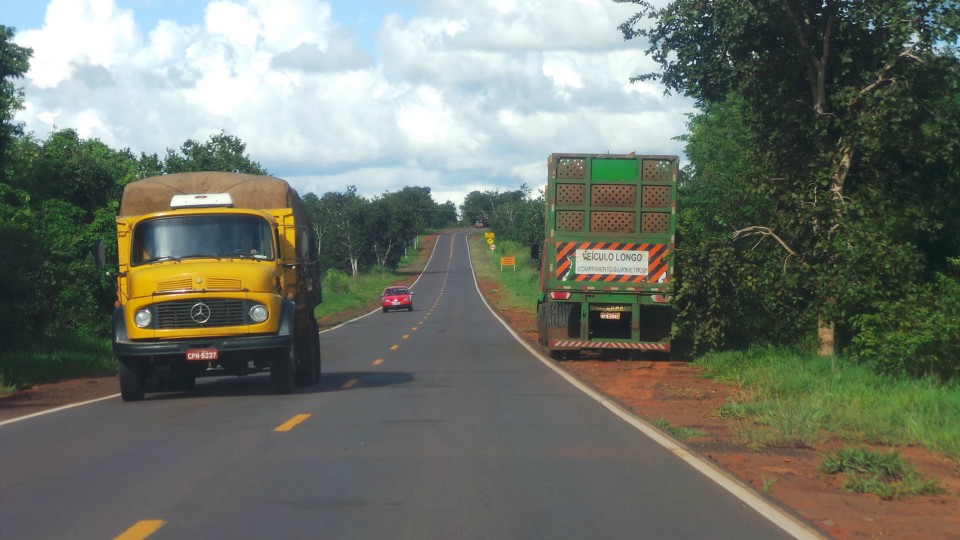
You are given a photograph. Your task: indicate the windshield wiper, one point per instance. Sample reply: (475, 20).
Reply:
(159, 259)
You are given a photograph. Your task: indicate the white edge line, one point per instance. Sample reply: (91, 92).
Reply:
(411, 286)
(58, 409)
(789, 523)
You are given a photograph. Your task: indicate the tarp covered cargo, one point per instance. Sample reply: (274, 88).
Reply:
(247, 191)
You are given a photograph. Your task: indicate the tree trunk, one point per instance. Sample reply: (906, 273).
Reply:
(826, 337)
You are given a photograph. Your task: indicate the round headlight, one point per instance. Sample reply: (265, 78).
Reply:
(258, 313)
(143, 318)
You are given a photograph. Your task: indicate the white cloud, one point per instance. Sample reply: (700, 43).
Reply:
(461, 96)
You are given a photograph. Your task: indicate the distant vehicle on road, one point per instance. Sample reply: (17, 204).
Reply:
(396, 298)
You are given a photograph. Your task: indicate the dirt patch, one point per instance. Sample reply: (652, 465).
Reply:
(661, 389)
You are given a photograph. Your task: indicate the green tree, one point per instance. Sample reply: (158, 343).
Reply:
(835, 93)
(479, 206)
(520, 220)
(14, 63)
(19, 244)
(341, 219)
(443, 215)
(85, 172)
(221, 152)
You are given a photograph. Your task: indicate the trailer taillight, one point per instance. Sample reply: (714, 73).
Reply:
(560, 295)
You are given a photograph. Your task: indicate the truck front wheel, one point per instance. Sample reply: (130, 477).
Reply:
(132, 379)
(282, 370)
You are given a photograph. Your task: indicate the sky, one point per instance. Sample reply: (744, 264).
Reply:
(453, 95)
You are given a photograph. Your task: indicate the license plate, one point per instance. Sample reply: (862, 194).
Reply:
(201, 355)
(610, 315)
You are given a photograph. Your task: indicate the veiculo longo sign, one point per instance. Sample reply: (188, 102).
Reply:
(612, 261)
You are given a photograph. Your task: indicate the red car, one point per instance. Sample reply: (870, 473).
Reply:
(396, 298)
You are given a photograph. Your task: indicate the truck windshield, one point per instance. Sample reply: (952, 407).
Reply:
(217, 236)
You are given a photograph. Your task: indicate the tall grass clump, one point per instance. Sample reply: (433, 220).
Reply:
(799, 398)
(883, 474)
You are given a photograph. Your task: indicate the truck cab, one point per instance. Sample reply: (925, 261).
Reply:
(212, 285)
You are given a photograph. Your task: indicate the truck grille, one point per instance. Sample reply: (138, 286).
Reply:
(191, 314)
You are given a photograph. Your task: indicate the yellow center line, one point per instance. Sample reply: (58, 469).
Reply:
(378, 361)
(405, 336)
(141, 529)
(349, 383)
(288, 425)
(394, 347)
(414, 329)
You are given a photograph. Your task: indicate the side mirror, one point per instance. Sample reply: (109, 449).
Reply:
(535, 251)
(100, 252)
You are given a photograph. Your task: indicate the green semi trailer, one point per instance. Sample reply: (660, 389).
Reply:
(606, 279)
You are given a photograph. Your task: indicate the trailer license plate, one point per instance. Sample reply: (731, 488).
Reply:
(201, 355)
(610, 315)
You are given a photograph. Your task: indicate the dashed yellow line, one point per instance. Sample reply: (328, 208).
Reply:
(394, 347)
(288, 425)
(349, 384)
(378, 361)
(141, 529)
(405, 336)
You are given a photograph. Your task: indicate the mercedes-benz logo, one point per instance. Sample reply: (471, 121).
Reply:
(200, 313)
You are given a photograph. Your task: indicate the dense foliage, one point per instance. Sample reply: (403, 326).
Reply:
(514, 215)
(823, 183)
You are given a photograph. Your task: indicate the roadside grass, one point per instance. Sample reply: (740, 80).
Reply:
(788, 398)
(66, 357)
(519, 284)
(799, 399)
(883, 474)
(351, 292)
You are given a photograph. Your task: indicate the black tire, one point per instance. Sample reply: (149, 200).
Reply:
(308, 357)
(132, 380)
(410, 307)
(282, 370)
(315, 349)
(385, 310)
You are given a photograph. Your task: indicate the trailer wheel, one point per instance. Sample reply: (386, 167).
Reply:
(132, 379)
(282, 369)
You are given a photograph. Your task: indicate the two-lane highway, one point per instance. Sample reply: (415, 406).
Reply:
(434, 423)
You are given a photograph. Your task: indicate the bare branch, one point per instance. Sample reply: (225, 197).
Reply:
(762, 232)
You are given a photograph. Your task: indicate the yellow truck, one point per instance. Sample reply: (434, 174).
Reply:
(217, 274)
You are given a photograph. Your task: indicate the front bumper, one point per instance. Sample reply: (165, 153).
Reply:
(225, 344)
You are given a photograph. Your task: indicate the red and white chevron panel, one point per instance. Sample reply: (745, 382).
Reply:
(610, 345)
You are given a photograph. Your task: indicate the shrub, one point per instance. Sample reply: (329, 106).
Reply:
(918, 335)
(336, 281)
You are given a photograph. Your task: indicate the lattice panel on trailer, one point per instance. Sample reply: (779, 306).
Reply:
(655, 222)
(571, 168)
(568, 220)
(570, 194)
(656, 196)
(613, 195)
(657, 170)
(613, 222)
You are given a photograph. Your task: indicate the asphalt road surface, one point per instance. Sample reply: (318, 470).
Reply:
(430, 424)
